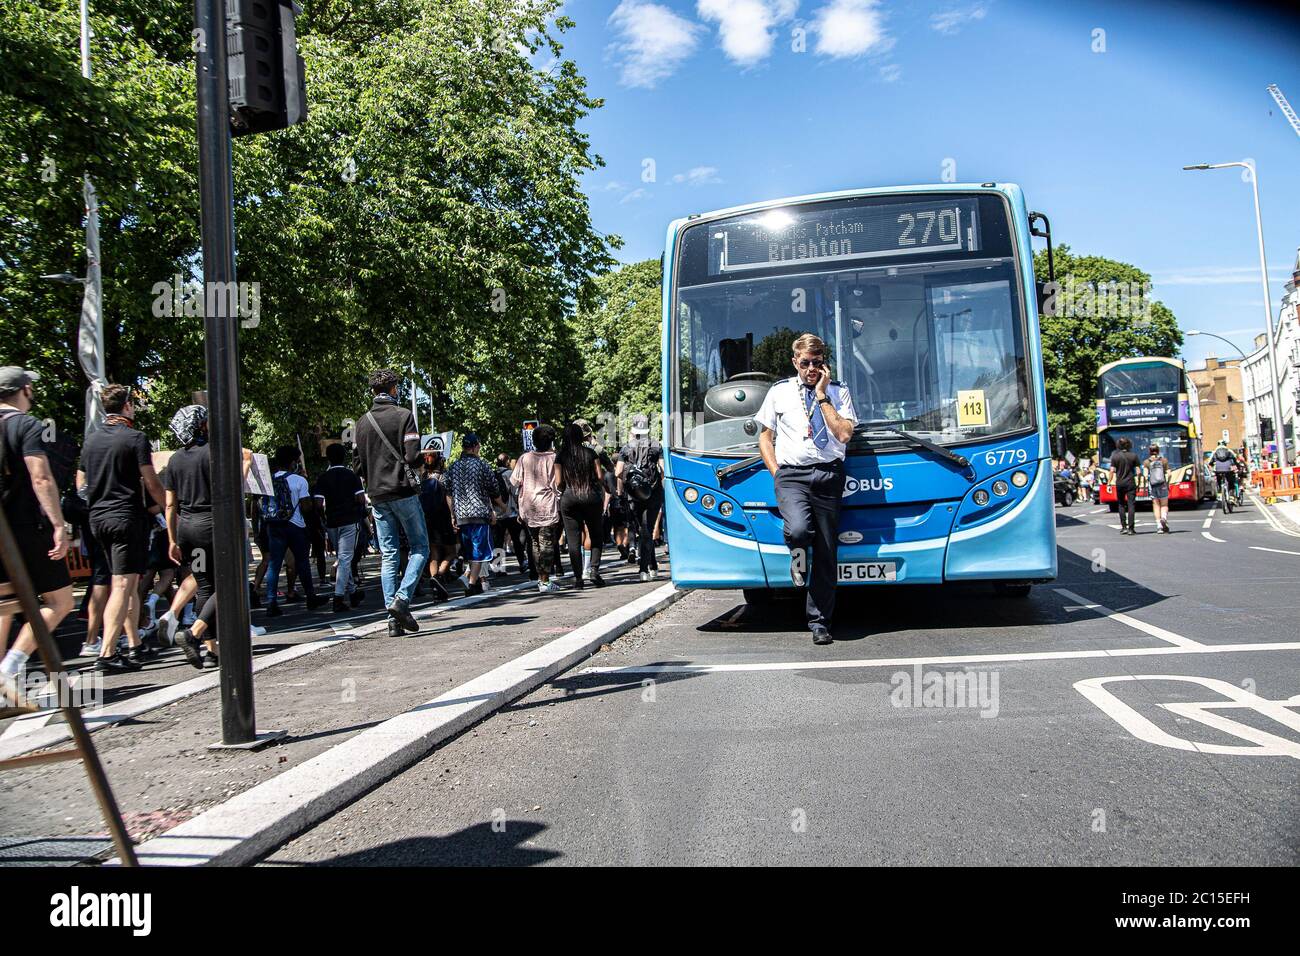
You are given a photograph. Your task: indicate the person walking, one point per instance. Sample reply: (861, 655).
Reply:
(806, 421)
(286, 526)
(29, 496)
(1124, 467)
(443, 540)
(577, 475)
(539, 504)
(1157, 474)
(117, 470)
(473, 501)
(640, 471)
(339, 492)
(508, 526)
(388, 446)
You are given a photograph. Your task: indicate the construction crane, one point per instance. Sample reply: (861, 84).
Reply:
(1285, 107)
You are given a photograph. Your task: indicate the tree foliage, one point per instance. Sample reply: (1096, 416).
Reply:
(1093, 327)
(428, 214)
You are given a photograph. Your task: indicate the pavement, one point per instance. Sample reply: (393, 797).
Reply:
(1143, 709)
(159, 762)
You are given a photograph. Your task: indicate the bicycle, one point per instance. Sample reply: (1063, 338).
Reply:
(1223, 493)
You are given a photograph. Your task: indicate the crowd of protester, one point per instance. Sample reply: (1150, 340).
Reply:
(438, 526)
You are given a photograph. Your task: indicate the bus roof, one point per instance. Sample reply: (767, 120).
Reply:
(1142, 360)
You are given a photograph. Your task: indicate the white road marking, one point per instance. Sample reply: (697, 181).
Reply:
(1098, 511)
(1207, 522)
(1264, 743)
(1206, 534)
(1271, 518)
(1274, 550)
(1150, 629)
(1244, 521)
(940, 661)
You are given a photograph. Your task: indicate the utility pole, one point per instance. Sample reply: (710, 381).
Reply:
(216, 198)
(90, 335)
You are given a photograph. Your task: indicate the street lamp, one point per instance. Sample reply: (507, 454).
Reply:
(1279, 432)
(1243, 373)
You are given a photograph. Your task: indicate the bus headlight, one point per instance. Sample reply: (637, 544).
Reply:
(691, 495)
(1000, 488)
(725, 509)
(1019, 479)
(981, 497)
(707, 502)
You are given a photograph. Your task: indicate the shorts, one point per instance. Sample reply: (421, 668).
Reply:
(125, 541)
(100, 574)
(1160, 492)
(159, 549)
(34, 546)
(476, 542)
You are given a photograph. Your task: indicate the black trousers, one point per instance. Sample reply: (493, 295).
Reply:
(578, 512)
(809, 497)
(194, 536)
(646, 512)
(513, 527)
(1127, 495)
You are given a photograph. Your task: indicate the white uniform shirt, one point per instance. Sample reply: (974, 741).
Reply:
(783, 413)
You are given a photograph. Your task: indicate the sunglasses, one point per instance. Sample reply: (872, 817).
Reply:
(811, 363)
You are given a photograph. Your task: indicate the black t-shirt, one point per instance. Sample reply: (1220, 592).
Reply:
(189, 475)
(112, 459)
(582, 482)
(1125, 466)
(22, 435)
(339, 486)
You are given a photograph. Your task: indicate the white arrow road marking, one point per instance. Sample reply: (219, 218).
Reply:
(1206, 534)
(1274, 550)
(1157, 632)
(1264, 743)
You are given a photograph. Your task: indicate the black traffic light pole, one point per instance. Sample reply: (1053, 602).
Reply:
(216, 195)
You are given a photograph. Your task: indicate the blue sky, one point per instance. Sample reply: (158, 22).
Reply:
(714, 93)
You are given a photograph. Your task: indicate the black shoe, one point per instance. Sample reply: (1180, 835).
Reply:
(400, 612)
(474, 589)
(291, 596)
(796, 575)
(254, 599)
(211, 662)
(820, 634)
(189, 646)
(339, 606)
(395, 629)
(117, 664)
(141, 653)
(273, 610)
(439, 592)
(356, 597)
(315, 601)
(597, 580)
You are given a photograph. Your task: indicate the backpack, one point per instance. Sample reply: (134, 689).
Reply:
(640, 486)
(1222, 454)
(1156, 471)
(278, 507)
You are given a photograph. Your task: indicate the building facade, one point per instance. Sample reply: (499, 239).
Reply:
(1256, 375)
(1221, 404)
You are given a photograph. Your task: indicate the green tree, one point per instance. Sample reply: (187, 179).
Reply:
(620, 327)
(1095, 323)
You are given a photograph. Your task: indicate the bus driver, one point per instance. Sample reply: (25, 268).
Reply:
(807, 419)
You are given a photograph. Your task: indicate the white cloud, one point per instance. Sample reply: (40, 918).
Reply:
(653, 41)
(951, 21)
(635, 195)
(612, 186)
(891, 72)
(698, 176)
(745, 26)
(848, 28)
(1219, 275)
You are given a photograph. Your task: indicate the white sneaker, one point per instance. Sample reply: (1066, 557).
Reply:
(645, 575)
(90, 649)
(167, 628)
(552, 585)
(654, 574)
(255, 631)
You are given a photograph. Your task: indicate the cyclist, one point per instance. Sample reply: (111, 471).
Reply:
(1224, 463)
(1243, 474)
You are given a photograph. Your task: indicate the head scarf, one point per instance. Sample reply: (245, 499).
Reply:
(187, 424)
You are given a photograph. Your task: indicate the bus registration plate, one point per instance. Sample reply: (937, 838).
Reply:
(860, 572)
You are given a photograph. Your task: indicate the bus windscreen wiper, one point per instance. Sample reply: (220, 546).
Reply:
(890, 426)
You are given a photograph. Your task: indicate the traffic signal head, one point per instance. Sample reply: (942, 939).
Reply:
(266, 75)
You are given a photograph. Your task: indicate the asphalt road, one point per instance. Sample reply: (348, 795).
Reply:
(1069, 731)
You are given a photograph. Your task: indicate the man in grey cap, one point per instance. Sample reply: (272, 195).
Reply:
(30, 497)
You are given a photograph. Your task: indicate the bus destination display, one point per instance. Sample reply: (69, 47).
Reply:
(835, 234)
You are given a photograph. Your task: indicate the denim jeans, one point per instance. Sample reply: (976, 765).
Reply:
(286, 536)
(407, 515)
(344, 542)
